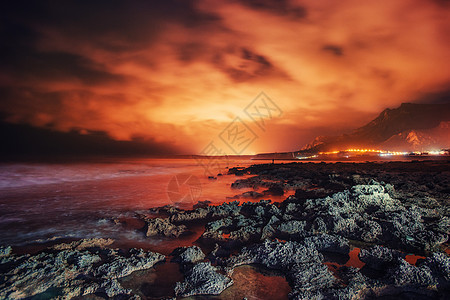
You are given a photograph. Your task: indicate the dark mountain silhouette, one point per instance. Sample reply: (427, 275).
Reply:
(406, 125)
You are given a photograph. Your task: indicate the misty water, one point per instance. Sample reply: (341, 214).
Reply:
(44, 201)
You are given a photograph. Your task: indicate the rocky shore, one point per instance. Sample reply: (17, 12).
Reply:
(388, 213)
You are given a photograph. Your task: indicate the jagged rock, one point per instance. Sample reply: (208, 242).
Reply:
(164, 227)
(202, 204)
(5, 251)
(202, 279)
(84, 243)
(188, 255)
(328, 243)
(251, 194)
(292, 227)
(301, 263)
(72, 272)
(120, 266)
(310, 281)
(439, 264)
(379, 257)
(187, 216)
(275, 190)
(406, 274)
(276, 255)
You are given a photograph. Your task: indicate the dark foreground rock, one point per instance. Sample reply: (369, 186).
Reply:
(188, 255)
(164, 227)
(202, 279)
(299, 236)
(71, 272)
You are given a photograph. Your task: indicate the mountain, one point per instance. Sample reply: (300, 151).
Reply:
(409, 127)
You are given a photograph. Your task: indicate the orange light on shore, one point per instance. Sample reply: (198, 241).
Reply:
(382, 152)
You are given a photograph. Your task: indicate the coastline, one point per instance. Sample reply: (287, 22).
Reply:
(350, 230)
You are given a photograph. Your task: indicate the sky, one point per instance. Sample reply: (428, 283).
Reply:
(184, 76)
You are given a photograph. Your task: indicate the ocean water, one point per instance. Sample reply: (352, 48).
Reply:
(40, 202)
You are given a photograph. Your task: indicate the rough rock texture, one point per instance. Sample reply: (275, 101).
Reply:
(202, 279)
(379, 258)
(69, 273)
(188, 255)
(334, 205)
(368, 213)
(84, 244)
(5, 251)
(164, 227)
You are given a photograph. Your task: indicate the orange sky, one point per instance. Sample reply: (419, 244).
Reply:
(178, 73)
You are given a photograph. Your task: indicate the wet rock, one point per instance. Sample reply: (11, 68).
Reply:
(202, 279)
(406, 274)
(251, 194)
(292, 229)
(188, 255)
(329, 243)
(164, 227)
(379, 257)
(5, 251)
(166, 209)
(70, 273)
(371, 231)
(275, 190)
(84, 244)
(120, 266)
(302, 265)
(188, 216)
(202, 204)
(356, 284)
(276, 255)
(439, 264)
(310, 281)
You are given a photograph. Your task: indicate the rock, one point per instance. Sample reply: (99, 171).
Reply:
(164, 227)
(276, 255)
(328, 243)
(72, 273)
(202, 279)
(188, 255)
(310, 281)
(251, 194)
(406, 274)
(275, 190)
(292, 228)
(202, 204)
(84, 244)
(120, 266)
(301, 264)
(188, 216)
(379, 257)
(5, 251)
(439, 264)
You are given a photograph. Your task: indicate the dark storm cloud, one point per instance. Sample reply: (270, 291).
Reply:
(115, 25)
(34, 65)
(163, 69)
(279, 7)
(38, 143)
(242, 64)
(336, 50)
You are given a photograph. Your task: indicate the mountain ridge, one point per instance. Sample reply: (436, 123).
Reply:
(389, 123)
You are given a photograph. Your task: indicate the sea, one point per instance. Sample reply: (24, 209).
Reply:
(43, 202)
